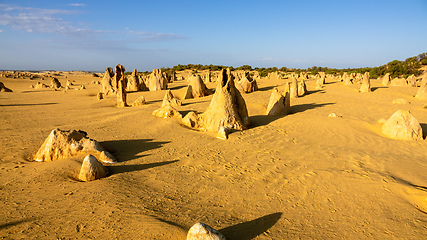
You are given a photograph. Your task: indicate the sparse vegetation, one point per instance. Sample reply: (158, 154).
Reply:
(396, 68)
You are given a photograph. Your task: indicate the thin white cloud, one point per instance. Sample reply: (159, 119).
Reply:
(1, 30)
(154, 36)
(77, 4)
(50, 21)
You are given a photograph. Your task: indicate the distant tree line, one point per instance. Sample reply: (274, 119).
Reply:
(396, 68)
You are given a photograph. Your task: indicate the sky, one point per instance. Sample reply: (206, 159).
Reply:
(93, 35)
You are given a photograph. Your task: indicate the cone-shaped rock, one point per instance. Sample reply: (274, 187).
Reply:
(402, 125)
(91, 169)
(170, 99)
(227, 107)
(54, 83)
(139, 101)
(188, 92)
(201, 231)
(366, 83)
(198, 87)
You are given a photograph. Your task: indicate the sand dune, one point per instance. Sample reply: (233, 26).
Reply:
(304, 175)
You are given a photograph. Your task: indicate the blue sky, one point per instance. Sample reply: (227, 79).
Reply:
(92, 35)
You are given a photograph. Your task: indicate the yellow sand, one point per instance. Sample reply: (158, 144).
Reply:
(305, 175)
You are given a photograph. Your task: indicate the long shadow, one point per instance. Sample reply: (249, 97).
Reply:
(402, 181)
(266, 88)
(125, 150)
(26, 104)
(251, 229)
(137, 167)
(314, 91)
(154, 101)
(261, 120)
(14, 223)
(177, 87)
(189, 103)
(373, 89)
(305, 107)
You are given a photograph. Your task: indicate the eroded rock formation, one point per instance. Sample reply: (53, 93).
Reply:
(402, 125)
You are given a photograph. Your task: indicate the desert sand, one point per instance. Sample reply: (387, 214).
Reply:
(300, 176)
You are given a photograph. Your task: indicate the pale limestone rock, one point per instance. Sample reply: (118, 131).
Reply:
(293, 88)
(277, 104)
(139, 101)
(198, 87)
(157, 80)
(170, 99)
(399, 82)
(227, 107)
(107, 82)
(201, 231)
(188, 92)
(302, 88)
(191, 120)
(386, 80)
(121, 94)
(247, 84)
(422, 91)
(402, 125)
(91, 169)
(366, 83)
(167, 111)
(63, 144)
(401, 101)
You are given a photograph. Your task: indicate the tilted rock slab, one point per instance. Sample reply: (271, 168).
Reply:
(63, 144)
(201, 231)
(402, 125)
(198, 87)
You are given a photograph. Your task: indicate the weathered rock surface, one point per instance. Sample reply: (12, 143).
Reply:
(366, 83)
(201, 231)
(198, 87)
(157, 81)
(139, 101)
(277, 104)
(402, 125)
(63, 144)
(91, 169)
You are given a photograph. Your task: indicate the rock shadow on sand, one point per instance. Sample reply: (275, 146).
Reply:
(305, 107)
(424, 127)
(15, 223)
(262, 120)
(125, 150)
(251, 229)
(26, 104)
(137, 167)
